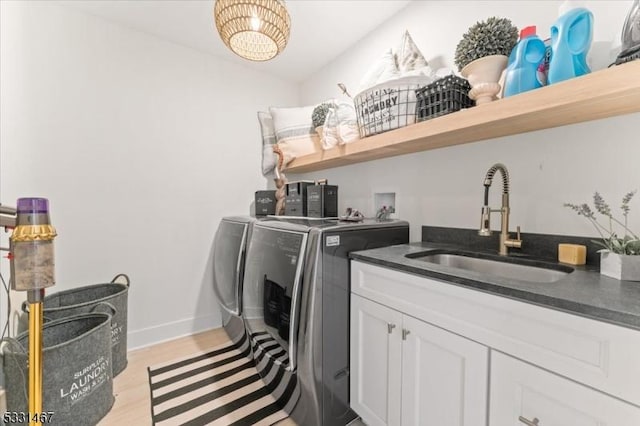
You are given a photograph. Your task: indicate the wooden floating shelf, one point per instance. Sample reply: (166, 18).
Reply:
(606, 93)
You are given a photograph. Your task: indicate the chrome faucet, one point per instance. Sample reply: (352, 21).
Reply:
(485, 219)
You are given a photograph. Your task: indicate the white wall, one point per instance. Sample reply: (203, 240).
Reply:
(549, 167)
(140, 145)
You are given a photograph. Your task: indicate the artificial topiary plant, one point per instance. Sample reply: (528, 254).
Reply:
(320, 112)
(495, 36)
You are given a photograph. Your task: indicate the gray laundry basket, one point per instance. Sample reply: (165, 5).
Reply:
(110, 297)
(77, 378)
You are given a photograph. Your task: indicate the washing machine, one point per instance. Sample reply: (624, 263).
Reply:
(295, 307)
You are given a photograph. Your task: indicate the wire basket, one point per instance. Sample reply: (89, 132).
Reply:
(389, 105)
(443, 96)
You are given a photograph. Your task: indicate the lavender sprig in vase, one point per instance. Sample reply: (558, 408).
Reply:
(620, 254)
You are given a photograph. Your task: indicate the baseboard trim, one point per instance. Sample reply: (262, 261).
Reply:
(162, 333)
(3, 402)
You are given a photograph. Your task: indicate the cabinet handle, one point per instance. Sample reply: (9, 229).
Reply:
(534, 422)
(390, 328)
(405, 333)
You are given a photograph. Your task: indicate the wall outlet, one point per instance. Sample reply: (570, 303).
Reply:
(385, 199)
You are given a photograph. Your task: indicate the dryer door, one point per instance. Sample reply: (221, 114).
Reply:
(228, 256)
(271, 291)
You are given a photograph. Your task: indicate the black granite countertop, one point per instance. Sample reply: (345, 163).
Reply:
(582, 292)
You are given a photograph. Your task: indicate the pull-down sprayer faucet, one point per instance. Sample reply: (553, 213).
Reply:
(485, 220)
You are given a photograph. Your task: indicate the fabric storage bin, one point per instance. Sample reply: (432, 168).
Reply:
(111, 297)
(77, 378)
(389, 105)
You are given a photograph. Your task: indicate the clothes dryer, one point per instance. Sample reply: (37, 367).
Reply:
(295, 306)
(229, 251)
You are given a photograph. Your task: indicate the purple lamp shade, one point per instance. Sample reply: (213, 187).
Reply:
(33, 205)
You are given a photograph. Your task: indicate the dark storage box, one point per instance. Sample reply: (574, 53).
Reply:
(443, 96)
(299, 187)
(322, 201)
(296, 201)
(294, 206)
(265, 203)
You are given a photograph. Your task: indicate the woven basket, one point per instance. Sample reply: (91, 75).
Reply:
(388, 106)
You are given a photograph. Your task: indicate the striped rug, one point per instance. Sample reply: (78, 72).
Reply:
(223, 386)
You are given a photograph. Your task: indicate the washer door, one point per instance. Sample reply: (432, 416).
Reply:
(271, 291)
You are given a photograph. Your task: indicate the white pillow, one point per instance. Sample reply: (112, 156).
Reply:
(269, 159)
(294, 131)
(385, 68)
(408, 55)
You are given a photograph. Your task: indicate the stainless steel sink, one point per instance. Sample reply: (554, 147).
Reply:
(498, 268)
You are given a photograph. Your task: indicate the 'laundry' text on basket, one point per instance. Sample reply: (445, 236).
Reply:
(372, 107)
(87, 379)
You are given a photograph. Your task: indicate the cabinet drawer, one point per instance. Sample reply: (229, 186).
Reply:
(601, 355)
(521, 392)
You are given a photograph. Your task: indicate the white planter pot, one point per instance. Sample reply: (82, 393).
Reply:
(483, 75)
(620, 266)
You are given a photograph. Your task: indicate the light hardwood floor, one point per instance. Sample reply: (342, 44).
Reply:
(131, 387)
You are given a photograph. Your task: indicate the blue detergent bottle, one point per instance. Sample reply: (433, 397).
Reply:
(571, 36)
(525, 69)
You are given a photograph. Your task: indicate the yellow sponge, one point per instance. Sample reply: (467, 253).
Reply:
(574, 254)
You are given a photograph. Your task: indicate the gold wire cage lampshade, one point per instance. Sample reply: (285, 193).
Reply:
(254, 29)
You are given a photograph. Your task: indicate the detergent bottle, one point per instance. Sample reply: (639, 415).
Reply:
(525, 69)
(571, 36)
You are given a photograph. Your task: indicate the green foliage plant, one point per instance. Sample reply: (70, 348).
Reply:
(495, 36)
(320, 112)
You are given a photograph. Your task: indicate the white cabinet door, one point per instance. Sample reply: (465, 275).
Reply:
(444, 377)
(522, 393)
(376, 348)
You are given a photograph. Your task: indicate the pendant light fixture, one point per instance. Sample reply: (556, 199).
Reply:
(257, 30)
